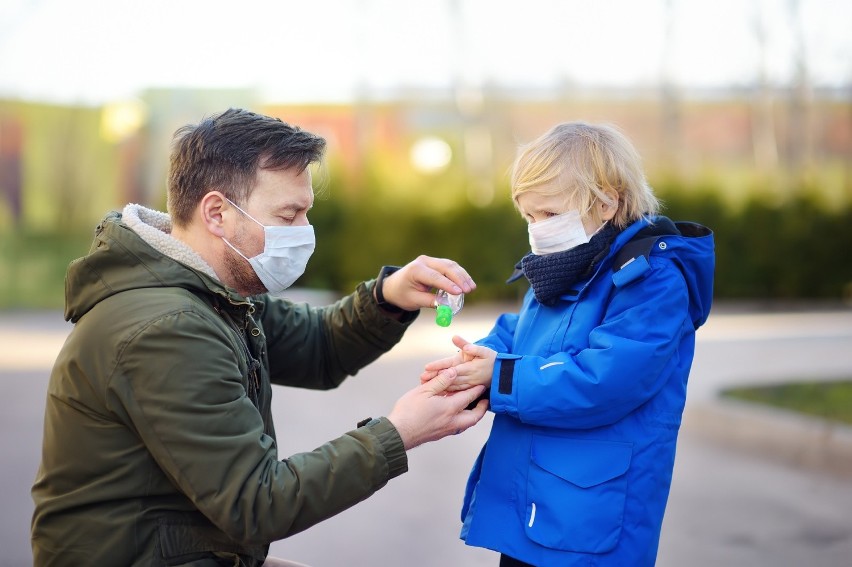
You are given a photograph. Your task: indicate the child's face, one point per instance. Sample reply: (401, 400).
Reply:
(535, 206)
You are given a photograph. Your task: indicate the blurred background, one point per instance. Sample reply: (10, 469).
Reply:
(742, 110)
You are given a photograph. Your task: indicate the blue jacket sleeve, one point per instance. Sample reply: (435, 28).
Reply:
(500, 336)
(629, 358)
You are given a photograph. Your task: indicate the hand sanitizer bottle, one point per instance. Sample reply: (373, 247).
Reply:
(447, 305)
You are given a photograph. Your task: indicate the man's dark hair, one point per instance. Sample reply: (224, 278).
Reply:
(224, 153)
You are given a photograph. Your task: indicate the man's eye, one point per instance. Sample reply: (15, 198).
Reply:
(549, 214)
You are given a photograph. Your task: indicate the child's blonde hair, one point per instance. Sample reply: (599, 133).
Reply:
(586, 160)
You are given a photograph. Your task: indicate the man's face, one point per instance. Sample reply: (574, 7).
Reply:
(279, 198)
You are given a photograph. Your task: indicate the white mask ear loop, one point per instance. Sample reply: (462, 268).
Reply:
(600, 228)
(245, 213)
(236, 206)
(225, 240)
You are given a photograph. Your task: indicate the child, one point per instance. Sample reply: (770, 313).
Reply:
(588, 381)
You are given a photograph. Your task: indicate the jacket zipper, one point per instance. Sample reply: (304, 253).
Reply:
(253, 364)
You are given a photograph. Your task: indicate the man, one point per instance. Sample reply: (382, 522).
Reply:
(159, 446)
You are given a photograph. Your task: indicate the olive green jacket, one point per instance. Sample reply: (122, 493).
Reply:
(159, 447)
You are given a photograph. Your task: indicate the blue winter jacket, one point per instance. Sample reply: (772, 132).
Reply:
(588, 396)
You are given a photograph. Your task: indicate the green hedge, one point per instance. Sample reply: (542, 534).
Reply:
(798, 249)
(32, 267)
(766, 249)
(353, 240)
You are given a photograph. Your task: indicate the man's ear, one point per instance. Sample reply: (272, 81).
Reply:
(211, 209)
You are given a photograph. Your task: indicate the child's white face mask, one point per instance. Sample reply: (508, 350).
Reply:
(558, 233)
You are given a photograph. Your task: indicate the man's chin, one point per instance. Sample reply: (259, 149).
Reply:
(252, 290)
(248, 288)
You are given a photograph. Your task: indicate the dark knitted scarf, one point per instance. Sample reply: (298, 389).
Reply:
(552, 275)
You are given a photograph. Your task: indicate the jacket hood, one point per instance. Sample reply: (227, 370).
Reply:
(689, 245)
(134, 249)
(697, 261)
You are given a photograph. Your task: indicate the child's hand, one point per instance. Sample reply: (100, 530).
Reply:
(474, 365)
(436, 366)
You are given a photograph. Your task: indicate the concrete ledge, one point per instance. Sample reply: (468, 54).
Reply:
(791, 438)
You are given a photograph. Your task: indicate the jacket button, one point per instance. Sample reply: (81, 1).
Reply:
(662, 245)
(255, 332)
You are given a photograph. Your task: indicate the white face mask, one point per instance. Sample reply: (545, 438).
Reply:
(286, 250)
(558, 234)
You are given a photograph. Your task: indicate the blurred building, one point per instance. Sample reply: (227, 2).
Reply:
(68, 164)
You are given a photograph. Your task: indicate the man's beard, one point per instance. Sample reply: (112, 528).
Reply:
(244, 278)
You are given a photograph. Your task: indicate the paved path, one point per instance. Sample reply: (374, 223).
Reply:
(733, 502)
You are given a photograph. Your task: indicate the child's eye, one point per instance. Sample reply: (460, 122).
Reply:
(549, 214)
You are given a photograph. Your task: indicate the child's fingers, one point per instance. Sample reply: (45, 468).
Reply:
(477, 351)
(438, 365)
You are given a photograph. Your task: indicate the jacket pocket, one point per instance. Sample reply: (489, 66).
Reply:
(576, 491)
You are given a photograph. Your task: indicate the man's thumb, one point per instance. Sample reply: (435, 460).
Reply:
(440, 383)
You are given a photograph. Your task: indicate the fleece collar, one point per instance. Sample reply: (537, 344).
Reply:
(155, 227)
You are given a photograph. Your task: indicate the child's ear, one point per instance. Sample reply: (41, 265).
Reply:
(608, 208)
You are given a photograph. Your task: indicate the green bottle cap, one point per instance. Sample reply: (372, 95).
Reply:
(443, 315)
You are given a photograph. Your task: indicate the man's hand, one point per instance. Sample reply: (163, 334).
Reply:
(474, 366)
(429, 412)
(411, 287)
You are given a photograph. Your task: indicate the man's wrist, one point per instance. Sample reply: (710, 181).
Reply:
(391, 441)
(380, 297)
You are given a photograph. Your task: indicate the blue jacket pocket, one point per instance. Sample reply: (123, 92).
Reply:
(576, 491)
